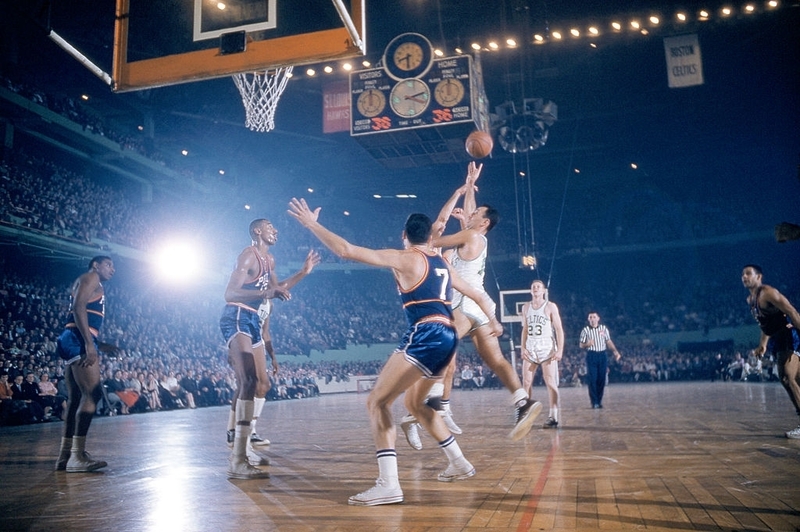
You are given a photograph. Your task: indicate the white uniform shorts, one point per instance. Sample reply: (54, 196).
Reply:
(539, 351)
(471, 310)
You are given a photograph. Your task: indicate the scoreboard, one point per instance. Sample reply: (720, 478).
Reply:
(446, 94)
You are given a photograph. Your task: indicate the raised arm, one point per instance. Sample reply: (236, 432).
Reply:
(470, 204)
(384, 258)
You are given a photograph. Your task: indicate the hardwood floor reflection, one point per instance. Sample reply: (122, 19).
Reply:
(677, 456)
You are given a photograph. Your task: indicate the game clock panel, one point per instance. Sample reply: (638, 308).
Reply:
(443, 95)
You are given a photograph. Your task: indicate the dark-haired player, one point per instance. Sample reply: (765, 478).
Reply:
(424, 279)
(779, 322)
(79, 348)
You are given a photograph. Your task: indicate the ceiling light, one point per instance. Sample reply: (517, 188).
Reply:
(635, 24)
(726, 11)
(511, 43)
(476, 46)
(459, 51)
(616, 25)
(184, 152)
(493, 45)
(366, 63)
(310, 190)
(593, 30)
(347, 66)
(556, 34)
(634, 166)
(703, 15)
(328, 69)
(222, 172)
(221, 6)
(681, 17)
(312, 72)
(346, 213)
(438, 53)
(654, 20)
(575, 32)
(376, 196)
(538, 38)
(750, 8)
(772, 3)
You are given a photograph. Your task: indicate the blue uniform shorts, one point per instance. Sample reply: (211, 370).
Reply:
(70, 345)
(429, 346)
(236, 320)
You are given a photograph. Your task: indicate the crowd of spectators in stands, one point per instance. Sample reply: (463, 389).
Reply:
(171, 351)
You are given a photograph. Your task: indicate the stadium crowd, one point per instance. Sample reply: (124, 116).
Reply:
(174, 358)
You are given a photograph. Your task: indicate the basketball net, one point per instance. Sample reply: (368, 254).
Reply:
(260, 94)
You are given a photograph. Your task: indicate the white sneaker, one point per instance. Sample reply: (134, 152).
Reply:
(457, 472)
(83, 464)
(256, 459)
(257, 440)
(794, 434)
(245, 471)
(379, 494)
(410, 428)
(447, 416)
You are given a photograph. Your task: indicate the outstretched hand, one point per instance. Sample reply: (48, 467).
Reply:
(299, 209)
(473, 173)
(312, 259)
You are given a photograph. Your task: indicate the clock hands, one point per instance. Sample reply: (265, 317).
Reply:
(416, 97)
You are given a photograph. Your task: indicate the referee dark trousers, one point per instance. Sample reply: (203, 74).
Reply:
(596, 370)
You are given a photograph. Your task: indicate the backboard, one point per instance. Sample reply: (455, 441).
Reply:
(166, 42)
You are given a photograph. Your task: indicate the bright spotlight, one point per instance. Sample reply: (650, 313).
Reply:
(178, 262)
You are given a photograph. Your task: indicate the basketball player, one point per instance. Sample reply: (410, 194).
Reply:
(264, 312)
(595, 338)
(779, 322)
(251, 283)
(78, 347)
(468, 258)
(542, 345)
(424, 279)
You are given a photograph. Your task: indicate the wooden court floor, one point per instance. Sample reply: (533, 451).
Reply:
(677, 456)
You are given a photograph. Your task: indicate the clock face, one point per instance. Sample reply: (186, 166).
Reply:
(410, 97)
(409, 55)
(448, 92)
(371, 103)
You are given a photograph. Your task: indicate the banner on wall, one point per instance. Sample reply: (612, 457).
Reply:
(684, 62)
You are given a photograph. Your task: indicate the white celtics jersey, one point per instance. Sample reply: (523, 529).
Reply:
(540, 329)
(471, 271)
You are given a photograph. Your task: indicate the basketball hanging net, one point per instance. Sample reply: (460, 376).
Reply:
(260, 94)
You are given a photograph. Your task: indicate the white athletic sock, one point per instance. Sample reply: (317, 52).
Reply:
(244, 413)
(387, 466)
(258, 406)
(518, 397)
(78, 446)
(66, 445)
(437, 390)
(232, 418)
(554, 412)
(451, 449)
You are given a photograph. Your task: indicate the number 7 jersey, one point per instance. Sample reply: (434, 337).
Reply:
(432, 293)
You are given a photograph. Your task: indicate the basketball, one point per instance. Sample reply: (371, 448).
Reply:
(479, 144)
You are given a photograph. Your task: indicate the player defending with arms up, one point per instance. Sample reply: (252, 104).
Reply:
(424, 279)
(469, 259)
(779, 322)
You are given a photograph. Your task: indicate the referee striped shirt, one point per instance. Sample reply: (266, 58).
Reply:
(600, 336)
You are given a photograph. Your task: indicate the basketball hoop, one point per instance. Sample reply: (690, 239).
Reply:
(260, 94)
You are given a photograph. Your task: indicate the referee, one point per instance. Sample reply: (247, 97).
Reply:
(595, 338)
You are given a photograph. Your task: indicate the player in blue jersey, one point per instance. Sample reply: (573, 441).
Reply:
(251, 283)
(424, 280)
(79, 348)
(779, 322)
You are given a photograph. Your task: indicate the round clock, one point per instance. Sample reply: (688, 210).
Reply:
(371, 103)
(448, 92)
(410, 97)
(409, 55)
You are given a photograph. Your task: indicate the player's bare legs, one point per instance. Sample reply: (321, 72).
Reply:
(489, 349)
(247, 361)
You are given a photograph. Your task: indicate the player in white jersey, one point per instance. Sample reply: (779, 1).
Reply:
(468, 257)
(542, 345)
